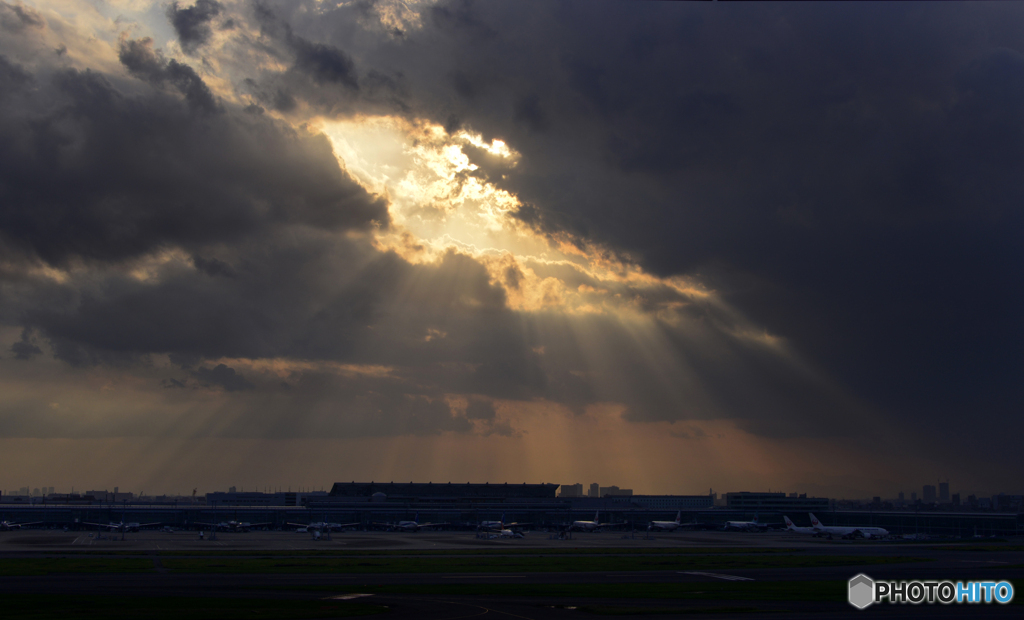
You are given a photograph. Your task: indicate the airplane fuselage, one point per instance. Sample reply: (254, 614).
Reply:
(846, 531)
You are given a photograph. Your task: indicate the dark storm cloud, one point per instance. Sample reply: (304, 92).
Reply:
(193, 23)
(320, 73)
(87, 172)
(12, 78)
(26, 348)
(323, 63)
(17, 17)
(223, 376)
(142, 62)
(846, 175)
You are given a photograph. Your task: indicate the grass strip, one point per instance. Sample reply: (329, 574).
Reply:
(977, 547)
(65, 607)
(616, 610)
(46, 566)
(813, 591)
(493, 551)
(515, 565)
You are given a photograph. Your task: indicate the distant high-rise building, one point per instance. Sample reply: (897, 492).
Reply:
(901, 496)
(595, 490)
(913, 497)
(571, 490)
(929, 494)
(956, 499)
(613, 490)
(231, 490)
(944, 492)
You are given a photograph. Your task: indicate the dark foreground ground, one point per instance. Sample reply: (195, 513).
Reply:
(52, 574)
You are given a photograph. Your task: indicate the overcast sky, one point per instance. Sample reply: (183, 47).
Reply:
(667, 246)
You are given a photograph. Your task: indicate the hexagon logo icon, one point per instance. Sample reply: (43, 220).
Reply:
(862, 591)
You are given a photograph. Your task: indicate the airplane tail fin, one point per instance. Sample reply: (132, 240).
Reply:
(679, 515)
(814, 520)
(789, 524)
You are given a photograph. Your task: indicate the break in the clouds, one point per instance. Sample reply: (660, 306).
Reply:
(518, 221)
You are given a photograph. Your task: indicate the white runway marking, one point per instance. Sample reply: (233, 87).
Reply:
(483, 577)
(716, 575)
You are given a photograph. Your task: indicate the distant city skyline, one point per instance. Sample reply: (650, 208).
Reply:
(900, 495)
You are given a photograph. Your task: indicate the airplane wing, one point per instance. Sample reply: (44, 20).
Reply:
(111, 526)
(333, 526)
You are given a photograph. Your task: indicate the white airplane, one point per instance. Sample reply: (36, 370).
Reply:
(847, 532)
(791, 527)
(591, 526)
(323, 526)
(667, 526)
(233, 526)
(500, 525)
(410, 526)
(747, 526)
(122, 526)
(6, 526)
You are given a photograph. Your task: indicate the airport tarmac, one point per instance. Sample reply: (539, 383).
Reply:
(935, 560)
(184, 540)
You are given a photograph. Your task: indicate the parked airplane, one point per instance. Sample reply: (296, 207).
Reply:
(747, 526)
(410, 526)
(500, 525)
(847, 532)
(591, 526)
(122, 527)
(6, 526)
(323, 526)
(233, 526)
(667, 526)
(791, 527)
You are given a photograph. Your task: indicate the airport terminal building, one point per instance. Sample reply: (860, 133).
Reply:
(442, 492)
(765, 503)
(465, 505)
